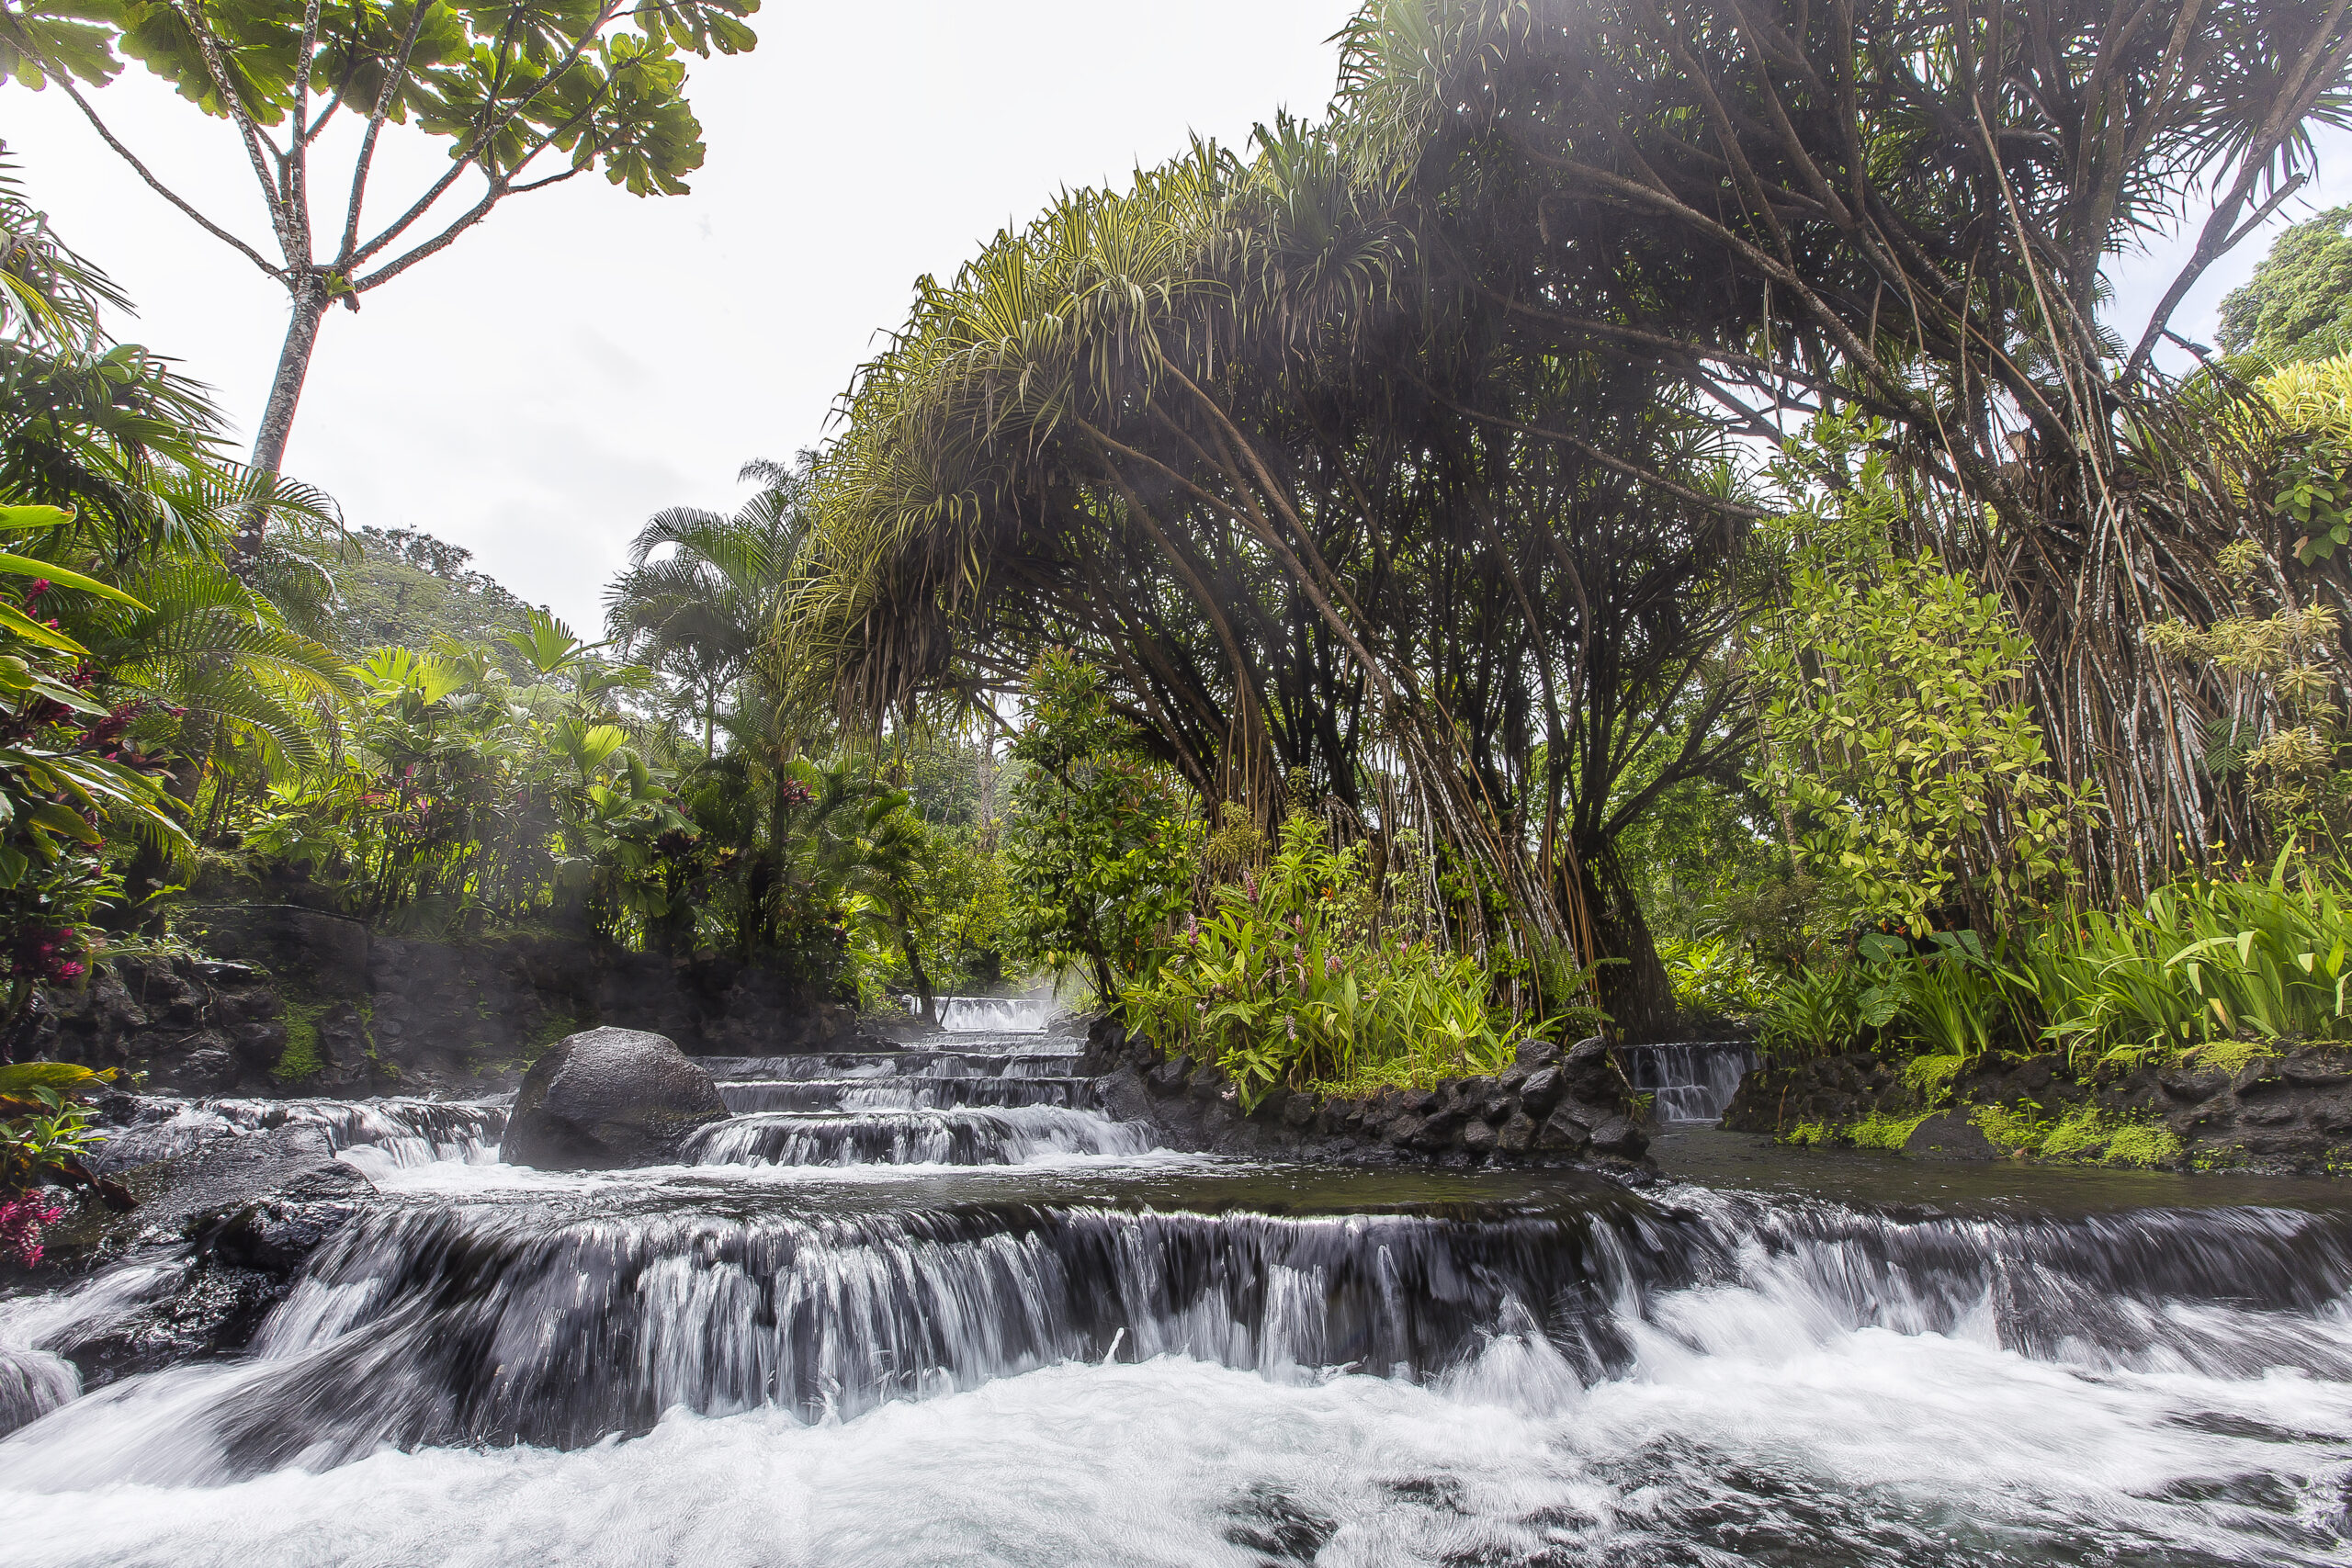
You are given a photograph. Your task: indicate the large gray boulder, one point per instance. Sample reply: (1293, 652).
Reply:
(604, 1098)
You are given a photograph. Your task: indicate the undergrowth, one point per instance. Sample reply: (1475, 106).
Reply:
(301, 1059)
(2085, 1136)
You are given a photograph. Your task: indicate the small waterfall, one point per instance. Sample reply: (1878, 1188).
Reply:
(987, 1015)
(892, 1064)
(908, 1093)
(373, 1135)
(912, 1137)
(1692, 1081)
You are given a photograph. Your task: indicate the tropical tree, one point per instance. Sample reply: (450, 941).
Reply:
(2297, 304)
(893, 868)
(700, 597)
(524, 97)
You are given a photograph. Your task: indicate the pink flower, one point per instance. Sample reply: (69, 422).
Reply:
(21, 1220)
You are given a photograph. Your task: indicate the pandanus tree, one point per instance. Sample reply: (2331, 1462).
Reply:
(1909, 213)
(524, 97)
(1221, 434)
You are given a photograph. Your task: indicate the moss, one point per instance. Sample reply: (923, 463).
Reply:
(1931, 1075)
(1880, 1131)
(2143, 1144)
(1876, 1131)
(2231, 1057)
(2085, 1136)
(2008, 1129)
(301, 1059)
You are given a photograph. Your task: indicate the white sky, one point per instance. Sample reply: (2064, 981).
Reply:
(585, 357)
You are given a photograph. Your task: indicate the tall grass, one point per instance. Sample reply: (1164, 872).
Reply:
(2209, 969)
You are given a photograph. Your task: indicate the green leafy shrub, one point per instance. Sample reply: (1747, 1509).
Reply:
(1896, 727)
(2219, 968)
(1301, 977)
(1716, 978)
(1101, 842)
(1815, 1012)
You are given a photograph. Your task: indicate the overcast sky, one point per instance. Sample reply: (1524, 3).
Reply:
(587, 357)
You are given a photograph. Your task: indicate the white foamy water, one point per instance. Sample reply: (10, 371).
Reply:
(1852, 1447)
(880, 1323)
(988, 1015)
(967, 1137)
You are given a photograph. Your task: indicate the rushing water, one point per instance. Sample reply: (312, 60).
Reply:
(1689, 1082)
(881, 1320)
(988, 1015)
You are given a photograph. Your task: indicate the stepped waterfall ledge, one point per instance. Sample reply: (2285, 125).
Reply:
(926, 1272)
(1580, 797)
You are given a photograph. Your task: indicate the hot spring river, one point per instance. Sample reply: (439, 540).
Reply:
(936, 1310)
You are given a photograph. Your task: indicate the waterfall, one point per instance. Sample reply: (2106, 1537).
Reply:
(373, 1135)
(893, 1136)
(502, 1322)
(988, 1015)
(1692, 1081)
(930, 1305)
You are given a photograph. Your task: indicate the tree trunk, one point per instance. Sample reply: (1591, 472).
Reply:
(1635, 992)
(921, 980)
(285, 392)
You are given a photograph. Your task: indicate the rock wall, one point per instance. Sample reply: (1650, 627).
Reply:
(1552, 1107)
(294, 1001)
(2290, 1114)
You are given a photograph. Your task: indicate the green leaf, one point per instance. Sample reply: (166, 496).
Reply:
(25, 566)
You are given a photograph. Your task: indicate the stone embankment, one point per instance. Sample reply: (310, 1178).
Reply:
(2290, 1113)
(1551, 1107)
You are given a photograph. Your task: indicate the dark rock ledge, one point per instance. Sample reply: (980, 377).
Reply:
(2289, 1114)
(1553, 1107)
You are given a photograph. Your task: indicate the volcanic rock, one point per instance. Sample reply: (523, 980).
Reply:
(606, 1099)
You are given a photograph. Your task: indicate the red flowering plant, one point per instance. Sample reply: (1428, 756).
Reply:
(43, 1135)
(69, 771)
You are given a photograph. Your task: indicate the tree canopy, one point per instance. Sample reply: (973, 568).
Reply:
(2297, 305)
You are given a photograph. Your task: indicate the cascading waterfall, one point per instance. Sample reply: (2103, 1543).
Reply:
(988, 1015)
(373, 1135)
(890, 1137)
(934, 1307)
(1689, 1082)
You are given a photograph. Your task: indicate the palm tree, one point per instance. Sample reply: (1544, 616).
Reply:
(701, 595)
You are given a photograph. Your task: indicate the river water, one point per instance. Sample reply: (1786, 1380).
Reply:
(933, 1308)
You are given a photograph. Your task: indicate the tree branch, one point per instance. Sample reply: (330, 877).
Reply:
(392, 80)
(158, 187)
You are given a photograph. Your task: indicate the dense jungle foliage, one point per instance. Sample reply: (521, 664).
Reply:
(1639, 518)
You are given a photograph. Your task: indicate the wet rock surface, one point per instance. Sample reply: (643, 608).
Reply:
(225, 1226)
(1551, 1107)
(606, 1099)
